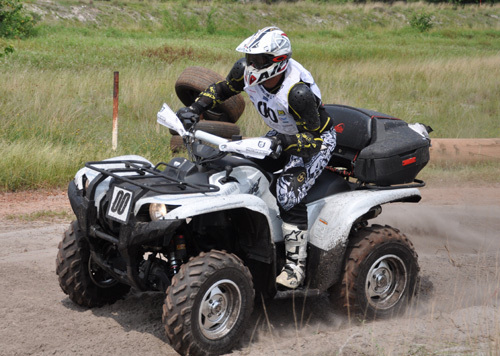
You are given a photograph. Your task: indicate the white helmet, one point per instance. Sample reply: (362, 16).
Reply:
(267, 53)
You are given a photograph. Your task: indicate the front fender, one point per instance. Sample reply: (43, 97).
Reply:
(332, 217)
(193, 205)
(91, 174)
(208, 204)
(257, 246)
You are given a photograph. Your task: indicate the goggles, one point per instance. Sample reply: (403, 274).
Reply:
(259, 61)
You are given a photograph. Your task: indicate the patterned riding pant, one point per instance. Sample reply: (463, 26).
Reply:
(299, 176)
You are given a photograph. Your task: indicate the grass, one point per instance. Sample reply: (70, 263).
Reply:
(480, 173)
(43, 215)
(56, 88)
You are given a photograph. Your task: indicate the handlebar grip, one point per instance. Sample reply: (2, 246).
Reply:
(276, 152)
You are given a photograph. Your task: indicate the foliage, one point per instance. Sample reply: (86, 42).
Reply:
(13, 23)
(182, 20)
(421, 21)
(7, 50)
(454, 2)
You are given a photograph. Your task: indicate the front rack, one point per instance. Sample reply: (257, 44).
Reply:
(133, 170)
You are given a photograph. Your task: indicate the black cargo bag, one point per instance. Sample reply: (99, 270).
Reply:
(377, 148)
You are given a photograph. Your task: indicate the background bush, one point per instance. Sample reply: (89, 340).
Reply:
(13, 22)
(421, 21)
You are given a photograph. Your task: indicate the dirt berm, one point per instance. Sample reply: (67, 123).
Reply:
(465, 150)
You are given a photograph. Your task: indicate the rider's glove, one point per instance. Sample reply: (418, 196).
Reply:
(303, 144)
(188, 117)
(286, 140)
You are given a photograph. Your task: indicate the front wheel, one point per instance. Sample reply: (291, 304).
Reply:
(208, 304)
(80, 277)
(381, 272)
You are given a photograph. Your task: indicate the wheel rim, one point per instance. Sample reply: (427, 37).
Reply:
(219, 309)
(386, 282)
(99, 276)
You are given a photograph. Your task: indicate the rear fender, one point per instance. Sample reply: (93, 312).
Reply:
(331, 218)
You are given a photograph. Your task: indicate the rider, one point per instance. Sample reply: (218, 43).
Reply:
(289, 101)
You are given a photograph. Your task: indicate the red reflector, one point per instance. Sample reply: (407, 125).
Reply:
(409, 161)
(340, 128)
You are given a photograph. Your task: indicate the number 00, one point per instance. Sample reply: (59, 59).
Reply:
(120, 202)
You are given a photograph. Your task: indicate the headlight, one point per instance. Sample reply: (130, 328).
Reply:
(157, 211)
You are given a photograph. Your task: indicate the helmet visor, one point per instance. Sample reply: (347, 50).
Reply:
(259, 61)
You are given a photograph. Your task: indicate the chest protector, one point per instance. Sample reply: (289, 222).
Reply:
(274, 107)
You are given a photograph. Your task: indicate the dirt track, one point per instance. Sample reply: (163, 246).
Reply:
(456, 232)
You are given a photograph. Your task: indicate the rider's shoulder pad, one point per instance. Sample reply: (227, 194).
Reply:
(301, 97)
(237, 71)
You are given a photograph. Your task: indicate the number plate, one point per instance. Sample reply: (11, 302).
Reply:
(121, 202)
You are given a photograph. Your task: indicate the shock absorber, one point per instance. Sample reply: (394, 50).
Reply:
(180, 248)
(174, 264)
(177, 254)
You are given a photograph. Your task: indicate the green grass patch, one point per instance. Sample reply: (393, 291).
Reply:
(479, 173)
(43, 215)
(56, 87)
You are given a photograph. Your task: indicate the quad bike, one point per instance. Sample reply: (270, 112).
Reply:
(207, 232)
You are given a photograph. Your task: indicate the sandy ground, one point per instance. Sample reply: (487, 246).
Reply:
(456, 232)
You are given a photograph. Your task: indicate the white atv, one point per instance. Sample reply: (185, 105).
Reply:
(207, 231)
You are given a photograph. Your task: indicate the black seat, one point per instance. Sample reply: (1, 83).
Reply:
(353, 126)
(328, 183)
(354, 129)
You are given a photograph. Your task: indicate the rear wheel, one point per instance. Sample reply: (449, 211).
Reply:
(381, 272)
(208, 304)
(80, 277)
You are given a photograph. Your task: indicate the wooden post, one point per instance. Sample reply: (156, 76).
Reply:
(114, 139)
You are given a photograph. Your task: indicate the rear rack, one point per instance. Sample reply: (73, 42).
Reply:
(133, 170)
(417, 183)
(344, 172)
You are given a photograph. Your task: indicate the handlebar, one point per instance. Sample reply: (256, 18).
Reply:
(210, 138)
(256, 147)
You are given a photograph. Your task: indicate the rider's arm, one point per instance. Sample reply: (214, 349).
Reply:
(219, 92)
(311, 120)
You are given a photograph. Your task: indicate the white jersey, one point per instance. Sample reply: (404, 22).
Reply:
(274, 107)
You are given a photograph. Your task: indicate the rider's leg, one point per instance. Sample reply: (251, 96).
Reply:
(298, 177)
(295, 236)
(294, 271)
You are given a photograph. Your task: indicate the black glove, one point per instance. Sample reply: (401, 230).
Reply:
(188, 117)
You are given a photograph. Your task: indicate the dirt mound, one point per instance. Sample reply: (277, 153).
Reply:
(465, 150)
